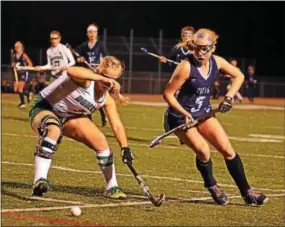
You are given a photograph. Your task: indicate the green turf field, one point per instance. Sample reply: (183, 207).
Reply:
(168, 168)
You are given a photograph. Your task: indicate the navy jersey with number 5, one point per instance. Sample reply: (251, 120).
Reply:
(194, 95)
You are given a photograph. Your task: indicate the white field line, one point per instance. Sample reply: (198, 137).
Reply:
(144, 176)
(123, 204)
(52, 200)
(161, 145)
(237, 106)
(268, 136)
(81, 206)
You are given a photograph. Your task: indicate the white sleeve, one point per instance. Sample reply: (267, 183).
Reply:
(70, 57)
(48, 65)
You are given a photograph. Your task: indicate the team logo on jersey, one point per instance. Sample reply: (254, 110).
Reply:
(85, 103)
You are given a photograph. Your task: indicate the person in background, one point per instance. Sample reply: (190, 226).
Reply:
(92, 51)
(58, 56)
(178, 52)
(21, 58)
(238, 94)
(250, 81)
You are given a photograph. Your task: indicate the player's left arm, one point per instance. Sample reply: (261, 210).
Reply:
(28, 60)
(115, 121)
(233, 72)
(118, 128)
(70, 57)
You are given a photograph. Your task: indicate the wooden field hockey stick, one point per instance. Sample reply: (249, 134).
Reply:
(14, 69)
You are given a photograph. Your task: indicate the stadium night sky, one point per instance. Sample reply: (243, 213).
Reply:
(249, 29)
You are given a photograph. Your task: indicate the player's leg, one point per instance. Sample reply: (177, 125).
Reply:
(239, 96)
(21, 86)
(84, 131)
(16, 90)
(195, 140)
(103, 116)
(213, 131)
(49, 128)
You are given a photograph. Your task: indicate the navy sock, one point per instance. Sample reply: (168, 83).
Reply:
(22, 100)
(206, 170)
(236, 170)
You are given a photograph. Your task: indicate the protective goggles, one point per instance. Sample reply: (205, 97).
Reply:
(204, 49)
(187, 34)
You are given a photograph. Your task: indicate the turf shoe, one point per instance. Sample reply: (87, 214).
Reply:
(254, 198)
(218, 195)
(115, 193)
(40, 187)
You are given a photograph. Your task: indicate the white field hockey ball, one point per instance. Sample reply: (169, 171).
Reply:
(75, 211)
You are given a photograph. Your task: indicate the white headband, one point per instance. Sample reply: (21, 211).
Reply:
(92, 28)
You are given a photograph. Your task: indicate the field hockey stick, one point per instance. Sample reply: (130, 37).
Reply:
(156, 202)
(18, 67)
(157, 56)
(14, 69)
(78, 56)
(184, 126)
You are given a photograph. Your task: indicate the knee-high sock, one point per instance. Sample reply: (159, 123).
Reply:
(206, 170)
(106, 163)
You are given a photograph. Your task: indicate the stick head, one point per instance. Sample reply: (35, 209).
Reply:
(154, 142)
(144, 50)
(159, 201)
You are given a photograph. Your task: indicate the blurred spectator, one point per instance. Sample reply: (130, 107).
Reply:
(3, 86)
(6, 86)
(250, 81)
(238, 94)
(37, 84)
(216, 90)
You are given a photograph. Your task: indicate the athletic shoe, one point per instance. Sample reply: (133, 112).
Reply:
(254, 198)
(218, 195)
(115, 193)
(22, 105)
(40, 187)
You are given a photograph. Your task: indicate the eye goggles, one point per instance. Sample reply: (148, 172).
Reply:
(186, 34)
(203, 48)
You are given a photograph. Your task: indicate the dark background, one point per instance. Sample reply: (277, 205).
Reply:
(246, 29)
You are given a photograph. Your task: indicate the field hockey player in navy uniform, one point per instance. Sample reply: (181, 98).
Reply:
(192, 79)
(21, 77)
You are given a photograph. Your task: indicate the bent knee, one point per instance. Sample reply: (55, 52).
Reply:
(53, 132)
(227, 151)
(203, 152)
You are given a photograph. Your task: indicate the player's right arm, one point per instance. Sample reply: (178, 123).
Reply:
(83, 76)
(79, 50)
(179, 76)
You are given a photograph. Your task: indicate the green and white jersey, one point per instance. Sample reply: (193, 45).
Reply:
(58, 57)
(68, 99)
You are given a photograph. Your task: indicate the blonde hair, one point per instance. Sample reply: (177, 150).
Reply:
(55, 33)
(110, 62)
(19, 43)
(208, 32)
(202, 32)
(188, 28)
